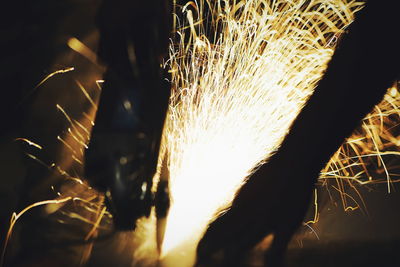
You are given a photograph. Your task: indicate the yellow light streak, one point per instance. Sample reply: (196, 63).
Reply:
(29, 142)
(348, 207)
(316, 213)
(96, 224)
(86, 94)
(61, 71)
(52, 74)
(79, 47)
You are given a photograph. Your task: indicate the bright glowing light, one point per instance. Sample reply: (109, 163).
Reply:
(232, 103)
(233, 100)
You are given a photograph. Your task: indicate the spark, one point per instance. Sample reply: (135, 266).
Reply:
(64, 113)
(75, 134)
(316, 213)
(29, 142)
(88, 117)
(99, 83)
(37, 160)
(66, 144)
(83, 128)
(344, 194)
(86, 94)
(79, 47)
(393, 91)
(77, 160)
(61, 71)
(16, 216)
(312, 229)
(96, 224)
(77, 137)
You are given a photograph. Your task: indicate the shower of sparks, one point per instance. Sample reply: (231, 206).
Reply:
(234, 97)
(76, 202)
(369, 155)
(233, 100)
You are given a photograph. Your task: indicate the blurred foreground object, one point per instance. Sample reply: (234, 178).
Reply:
(122, 156)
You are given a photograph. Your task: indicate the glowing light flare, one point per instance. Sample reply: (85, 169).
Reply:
(233, 100)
